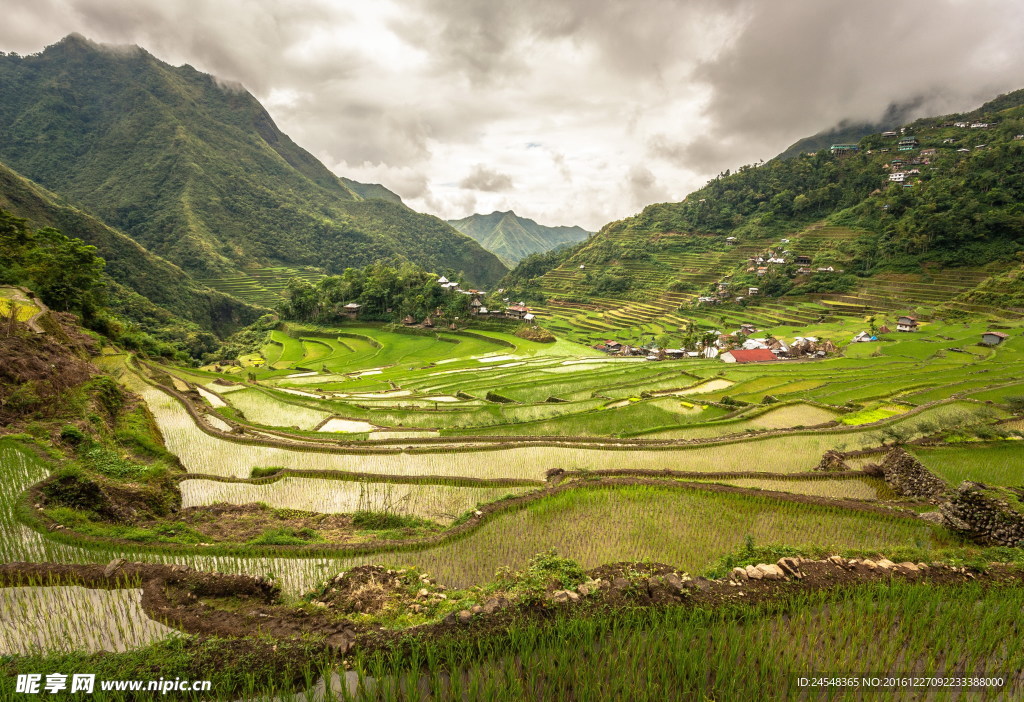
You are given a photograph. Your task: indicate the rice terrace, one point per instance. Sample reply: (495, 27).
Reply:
(269, 433)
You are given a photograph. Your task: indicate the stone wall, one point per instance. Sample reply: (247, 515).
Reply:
(907, 476)
(992, 516)
(832, 462)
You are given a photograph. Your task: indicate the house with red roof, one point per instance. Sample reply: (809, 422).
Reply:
(748, 356)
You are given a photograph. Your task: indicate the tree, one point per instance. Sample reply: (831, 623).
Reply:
(66, 272)
(872, 328)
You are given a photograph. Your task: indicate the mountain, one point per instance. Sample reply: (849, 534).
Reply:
(849, 131)
(371, 191)
(512, 238)
(197, 172)
(931, 226)
(136, 273)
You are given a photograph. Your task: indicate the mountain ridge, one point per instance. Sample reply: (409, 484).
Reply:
(513, 238)
(128, 263)
(198, 172)
(918, 226)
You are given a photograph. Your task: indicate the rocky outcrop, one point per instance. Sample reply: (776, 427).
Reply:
(832, 462)
(991, 516)
(907, 476)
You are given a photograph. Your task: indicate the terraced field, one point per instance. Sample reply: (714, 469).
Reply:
(510, 448)
(261, 286)
(661, 311)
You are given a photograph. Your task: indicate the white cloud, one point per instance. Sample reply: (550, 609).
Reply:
(589, 108)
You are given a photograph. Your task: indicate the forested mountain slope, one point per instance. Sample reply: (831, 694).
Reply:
(197, 172)
(512, 238)
(914, 226)
(128, 263)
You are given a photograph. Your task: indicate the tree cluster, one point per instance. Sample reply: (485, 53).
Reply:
(384, 293)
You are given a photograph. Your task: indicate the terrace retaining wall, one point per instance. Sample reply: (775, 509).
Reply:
(907, 476)
(988, 515)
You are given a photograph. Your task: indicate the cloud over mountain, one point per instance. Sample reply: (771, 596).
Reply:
(624, 100)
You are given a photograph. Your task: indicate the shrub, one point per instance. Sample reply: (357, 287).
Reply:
(377, 521)
(1015, 403)
(538, 334)
(70, 434)
(544, 570)
(286, 536)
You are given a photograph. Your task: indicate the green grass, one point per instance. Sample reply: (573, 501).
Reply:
(1001, 463)
(686, 528)
(874, 414)
(734, 651)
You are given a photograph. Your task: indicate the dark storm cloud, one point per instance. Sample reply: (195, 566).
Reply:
(799, 67)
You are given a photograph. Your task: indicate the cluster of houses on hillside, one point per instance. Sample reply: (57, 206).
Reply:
(516, 310)
(740, 346)
(761, 265)
(476, 308)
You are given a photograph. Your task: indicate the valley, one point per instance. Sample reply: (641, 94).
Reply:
(268, 428)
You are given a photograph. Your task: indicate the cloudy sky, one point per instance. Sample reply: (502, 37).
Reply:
(567, 111)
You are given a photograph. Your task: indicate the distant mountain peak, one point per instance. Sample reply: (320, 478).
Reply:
(512, 238)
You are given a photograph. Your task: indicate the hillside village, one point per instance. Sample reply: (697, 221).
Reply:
(476, 309)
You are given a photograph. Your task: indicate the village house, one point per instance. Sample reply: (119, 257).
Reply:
(516, 311)
(980, 125)
(843, 149)
(803, 270)
(753, 291)
(927, 152)
(884, 330)
(442, 280)
(778, 347)
(908, 143)
(898, 177)
(474, 306)
(351, 310)
(747, 329)
(802, 260)
(962, 125)
(748, 356)
(992, 338)
(762, 270)
(826, 269)
(906, 324)
(408, 321)
(888, 134)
